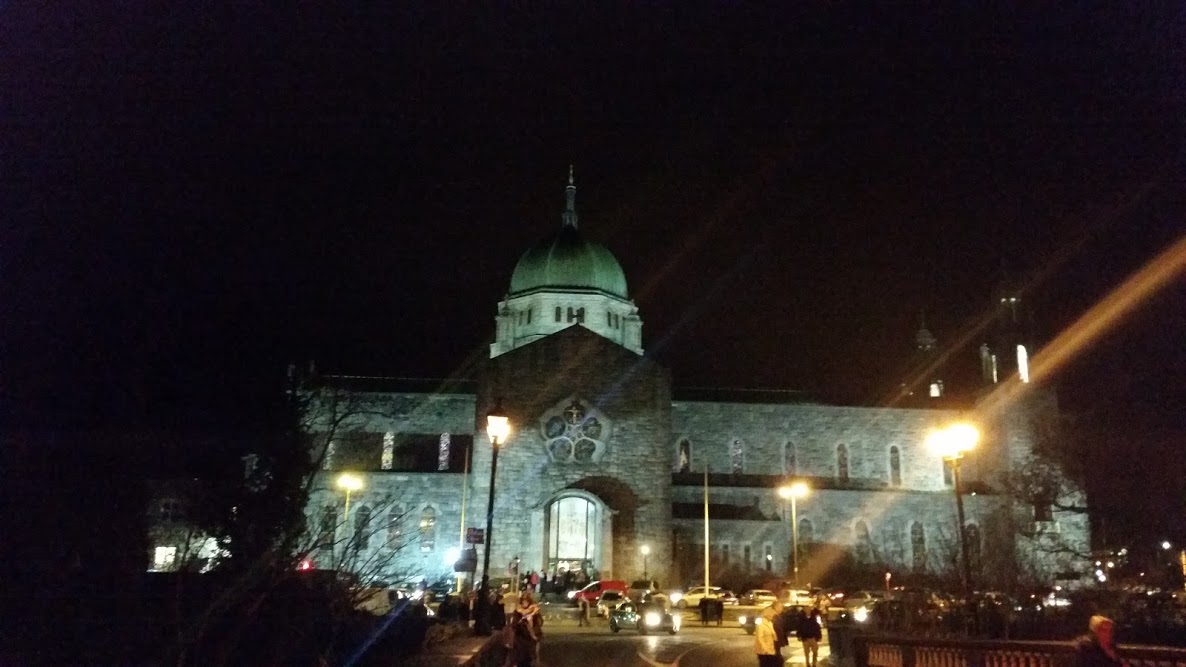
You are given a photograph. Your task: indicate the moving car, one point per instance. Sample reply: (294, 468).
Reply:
(757, 596)
(609, 601)
(749, 622)
(593, 591)
(644, 618)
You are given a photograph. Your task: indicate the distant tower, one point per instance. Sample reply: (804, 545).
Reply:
(927, 353)
(1007, 348)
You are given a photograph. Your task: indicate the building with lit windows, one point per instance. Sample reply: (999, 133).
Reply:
(606, 456)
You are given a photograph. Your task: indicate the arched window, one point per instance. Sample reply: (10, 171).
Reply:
(918, 547)
(574, 533)
(842, 462)
(395, 527)
(895, 461)
(362, 525)
(806, 532)
(972, 535)
(862, 542)
(443, 452)
(790, 465)
(683, 456)
(428, 529)
(328, 526)
(737, 456)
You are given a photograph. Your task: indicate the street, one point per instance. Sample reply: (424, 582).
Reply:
(566, 645)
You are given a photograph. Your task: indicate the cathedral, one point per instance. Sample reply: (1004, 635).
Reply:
(611, 471)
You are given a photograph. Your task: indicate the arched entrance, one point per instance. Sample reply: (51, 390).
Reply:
(574, 526)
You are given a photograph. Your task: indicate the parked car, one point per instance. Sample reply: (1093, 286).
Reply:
(609, 601)
(643, 618)
(593, 591)
(757, 596)
(641, 588)
(692, 597)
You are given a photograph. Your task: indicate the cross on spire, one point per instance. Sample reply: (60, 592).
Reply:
(570, 195)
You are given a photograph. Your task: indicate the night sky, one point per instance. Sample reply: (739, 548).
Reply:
(194, 195)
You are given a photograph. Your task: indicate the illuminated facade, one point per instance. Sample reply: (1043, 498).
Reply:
(607, 457)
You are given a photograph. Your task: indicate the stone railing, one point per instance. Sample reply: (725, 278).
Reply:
(853, 649)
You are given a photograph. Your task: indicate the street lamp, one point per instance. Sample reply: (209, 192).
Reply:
(793, 492)
(951, 444)
(349, 483)
(498, 427)
(646, 551)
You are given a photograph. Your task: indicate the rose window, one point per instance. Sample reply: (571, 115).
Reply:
(574, 434)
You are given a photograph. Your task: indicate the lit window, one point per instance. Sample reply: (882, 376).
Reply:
(443, 452)
(937, 389)
(842, 463)
(683, 461)
(395, 527)
(428, 529)
(388, 450)
(1023, 363)
(895, 459)
(995, 377)
(737, 456)
(164, 558)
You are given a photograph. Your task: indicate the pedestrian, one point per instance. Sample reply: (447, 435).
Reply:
(810, 632)
(534, 582)
(780, 625)
(704, 602)
(718, 608)
(766, 641)
(1097, 648)
(583, 612)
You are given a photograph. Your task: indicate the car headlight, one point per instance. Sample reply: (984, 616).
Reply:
(572, 594)
(758, 621)
(675, 597)
(653, 619)
(741, 620)
(860, 615)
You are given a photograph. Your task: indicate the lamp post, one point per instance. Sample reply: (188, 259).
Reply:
(793, 492)
(349, 483)
(646, 551)
(951, 444)
(498, 427)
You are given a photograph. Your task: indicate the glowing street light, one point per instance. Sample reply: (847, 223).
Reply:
(349, 483)
(646, 551)
(793, 492)
(498, 429)
(951, 444)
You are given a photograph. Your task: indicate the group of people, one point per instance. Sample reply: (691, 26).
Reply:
(775, 630)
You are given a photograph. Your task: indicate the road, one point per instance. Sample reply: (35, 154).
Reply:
(566, 645)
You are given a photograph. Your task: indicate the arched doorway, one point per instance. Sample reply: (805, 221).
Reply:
(574, 527)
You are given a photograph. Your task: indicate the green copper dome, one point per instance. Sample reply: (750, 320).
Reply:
(568, 261)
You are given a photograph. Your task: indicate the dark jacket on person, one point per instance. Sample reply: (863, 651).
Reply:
(1089, 653)
(809, 628)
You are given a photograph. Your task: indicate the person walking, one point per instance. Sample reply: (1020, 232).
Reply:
(1097, 648)
(781, 627)
(810, 632)
(766, 641)
(583, 612)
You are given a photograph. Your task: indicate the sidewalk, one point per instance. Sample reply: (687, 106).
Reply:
(452, 653)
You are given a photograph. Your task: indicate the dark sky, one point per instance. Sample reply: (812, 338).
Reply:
(195, 194)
